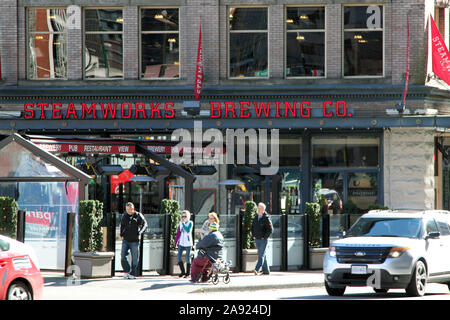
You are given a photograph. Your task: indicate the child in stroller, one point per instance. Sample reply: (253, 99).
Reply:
(212, 269)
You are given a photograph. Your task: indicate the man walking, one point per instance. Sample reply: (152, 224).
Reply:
(261, 230)
(132, 226)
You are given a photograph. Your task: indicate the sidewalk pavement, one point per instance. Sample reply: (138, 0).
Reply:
(167, 284)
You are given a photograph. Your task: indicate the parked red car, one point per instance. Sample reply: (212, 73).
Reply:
(20, 277)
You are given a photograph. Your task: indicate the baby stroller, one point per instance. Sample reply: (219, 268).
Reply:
(214, 269)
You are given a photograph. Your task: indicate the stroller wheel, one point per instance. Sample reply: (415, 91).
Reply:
(215, 279)
(226, 279)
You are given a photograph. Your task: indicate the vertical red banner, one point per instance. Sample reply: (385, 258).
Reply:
(440, 55)
(199, 69)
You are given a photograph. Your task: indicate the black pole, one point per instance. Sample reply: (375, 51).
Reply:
(306, 241)
(325, 230)
(20, 234)
(166, 253)
(284, 239)
(238, 229)
(69, 242)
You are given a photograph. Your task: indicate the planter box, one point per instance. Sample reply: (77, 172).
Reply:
(316, 256)
(93, 264)
(174, 269)
(249, 259)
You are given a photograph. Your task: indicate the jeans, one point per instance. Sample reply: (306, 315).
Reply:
(188, 254)
(261, 245)
(134, 248)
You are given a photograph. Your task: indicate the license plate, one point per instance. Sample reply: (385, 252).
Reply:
(359, 269)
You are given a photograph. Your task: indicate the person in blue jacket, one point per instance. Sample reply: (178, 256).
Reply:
(183, 240)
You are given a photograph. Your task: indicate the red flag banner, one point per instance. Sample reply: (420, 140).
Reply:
(440, 54)
(199, 69)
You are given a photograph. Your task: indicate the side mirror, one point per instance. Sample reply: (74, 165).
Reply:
(433, 235)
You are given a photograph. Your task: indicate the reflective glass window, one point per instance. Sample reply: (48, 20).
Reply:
(248, 43)
(363, 40)
(305, 41)
(46, 45)
(160, 55)
(345, 151)
(103, 53)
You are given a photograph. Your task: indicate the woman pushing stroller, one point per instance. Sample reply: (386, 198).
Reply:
(210, 249)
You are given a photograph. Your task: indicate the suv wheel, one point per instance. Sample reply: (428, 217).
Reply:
(336, 292)
(416, 287)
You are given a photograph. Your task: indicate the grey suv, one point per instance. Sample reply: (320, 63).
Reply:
(385, 249)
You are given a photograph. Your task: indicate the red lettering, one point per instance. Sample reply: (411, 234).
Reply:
(154, 108)
(108, 110)
(85, 110)
(231, 108)
(287, 107)
(128, 116)
(303, 108)
(324, 106)
(172, 111)
(261, 106)
(278, 109)
(42, 106)
(56, 110)
(31, 111)
(215, 106)
(344, 108)
(243, 108)
(140, 108)
(71, 111)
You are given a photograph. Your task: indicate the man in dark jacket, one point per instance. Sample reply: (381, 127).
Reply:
(210, 249)
(261, 230)
(132, 226)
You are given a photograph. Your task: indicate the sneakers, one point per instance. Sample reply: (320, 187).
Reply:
(128, 276)
(125, 275)
(255, 272)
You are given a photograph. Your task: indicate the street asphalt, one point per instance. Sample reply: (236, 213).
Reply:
(59, 287)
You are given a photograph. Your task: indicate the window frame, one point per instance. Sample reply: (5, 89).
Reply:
(229, 32)
(383, 31)
(29, 33)
(141, 73)
(98, 33)
(324, 31)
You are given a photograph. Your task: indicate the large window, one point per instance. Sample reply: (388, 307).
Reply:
(305, 41)
(47, 54)
(346, 168)
(248, 38)
(160, 56)
(103, 53)
(363, 40)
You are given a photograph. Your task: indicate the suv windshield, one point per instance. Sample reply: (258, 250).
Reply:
(386, 227)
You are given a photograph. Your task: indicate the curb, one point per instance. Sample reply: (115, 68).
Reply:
(215, 288)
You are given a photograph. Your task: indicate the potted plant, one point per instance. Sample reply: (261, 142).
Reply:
(8, 217)
(172, 208)
(316, 253)
(93, 263)
(249, 253)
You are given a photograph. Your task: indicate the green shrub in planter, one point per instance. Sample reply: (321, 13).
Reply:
(350, 208)
(376, 206)
(171, 207)
(251, 209)
(312, 209)
(90, 235)
(8, 217)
